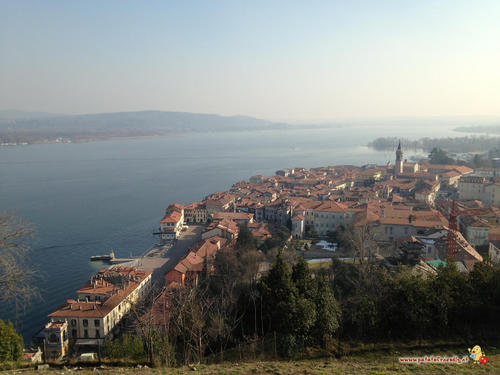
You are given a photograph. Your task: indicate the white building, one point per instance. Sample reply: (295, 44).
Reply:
(479, 188)
(329, 215)
(102, 303)
(172, 223)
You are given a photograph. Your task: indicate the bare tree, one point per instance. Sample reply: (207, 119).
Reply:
(150, 319)
(360, 240)
(190, 309)
(16, 275)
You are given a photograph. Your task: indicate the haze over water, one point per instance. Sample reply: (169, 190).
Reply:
(88, 198)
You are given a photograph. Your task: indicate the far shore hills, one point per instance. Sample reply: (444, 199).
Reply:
(24, 128)
(18, 127)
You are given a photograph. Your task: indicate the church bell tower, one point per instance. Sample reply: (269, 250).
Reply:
(398, 168)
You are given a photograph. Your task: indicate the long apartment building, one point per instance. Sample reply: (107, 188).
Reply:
(100, 305)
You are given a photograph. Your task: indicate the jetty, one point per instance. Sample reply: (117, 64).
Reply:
(110, 258)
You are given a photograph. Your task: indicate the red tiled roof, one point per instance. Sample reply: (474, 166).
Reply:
(97, 308)
(194, 206)
(172, 217)
(232, 216)
(260, 230)
(331, 206)
(224, 224)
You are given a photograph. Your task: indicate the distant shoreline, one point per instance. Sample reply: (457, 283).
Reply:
(488, 129)
(77, 139)
(472, 143)
(87, 140)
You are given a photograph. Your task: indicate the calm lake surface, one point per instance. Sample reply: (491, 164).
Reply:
(88, 198)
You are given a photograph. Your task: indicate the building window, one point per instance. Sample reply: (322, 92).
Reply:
(85, 323)
(97, 322)
(86, 333)
(73, 333)
(73, 322)
(97, 334)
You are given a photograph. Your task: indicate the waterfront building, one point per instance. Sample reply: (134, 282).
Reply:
(196, 213)
(56, 339)
(99, 307)
(172, 223)
(218, 202)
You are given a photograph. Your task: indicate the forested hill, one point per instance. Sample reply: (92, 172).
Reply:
(457, 144)
(32, 128)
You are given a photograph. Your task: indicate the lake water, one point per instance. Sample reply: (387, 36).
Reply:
(88, 198)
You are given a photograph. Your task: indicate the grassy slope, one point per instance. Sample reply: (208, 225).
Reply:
(373, 364)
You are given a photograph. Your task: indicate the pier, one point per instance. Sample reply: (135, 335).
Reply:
(110, 258)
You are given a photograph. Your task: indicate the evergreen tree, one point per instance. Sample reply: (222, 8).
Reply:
(11, 344)
(279, 296)
(438, 156)
(327, 313)
(303, 280)
(246, 240)
(305, 308)
(302, 322)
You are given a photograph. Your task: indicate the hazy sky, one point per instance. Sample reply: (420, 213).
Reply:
(280, 60)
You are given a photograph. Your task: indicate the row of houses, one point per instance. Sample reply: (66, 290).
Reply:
(199, 258)
(220, 221)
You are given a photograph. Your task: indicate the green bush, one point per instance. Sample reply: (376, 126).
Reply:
(11, 344)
